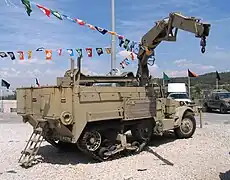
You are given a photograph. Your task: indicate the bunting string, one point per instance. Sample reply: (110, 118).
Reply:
(21, 55)
(127, 44)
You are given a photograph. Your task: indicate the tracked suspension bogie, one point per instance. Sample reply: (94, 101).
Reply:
(103, 143)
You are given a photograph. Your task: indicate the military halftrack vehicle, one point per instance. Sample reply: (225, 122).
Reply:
(96, 118)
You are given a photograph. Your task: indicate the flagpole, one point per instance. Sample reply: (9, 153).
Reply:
(189, 91)
(217, 83)
(163, 84)
(113, 43)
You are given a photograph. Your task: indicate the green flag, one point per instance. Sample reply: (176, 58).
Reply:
(165, 77)
(27, 6)
(56, 14)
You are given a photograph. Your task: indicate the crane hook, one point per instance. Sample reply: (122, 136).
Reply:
(203, 49)
(203, 44)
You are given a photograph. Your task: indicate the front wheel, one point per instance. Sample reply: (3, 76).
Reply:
(223, 109)
(187, 127)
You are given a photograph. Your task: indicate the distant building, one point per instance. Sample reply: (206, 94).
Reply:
(8, 106)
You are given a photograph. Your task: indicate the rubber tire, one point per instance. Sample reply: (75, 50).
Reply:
(225, 110)
(101, 153)
(179, 134)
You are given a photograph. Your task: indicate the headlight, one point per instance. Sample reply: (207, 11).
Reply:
(182, 103)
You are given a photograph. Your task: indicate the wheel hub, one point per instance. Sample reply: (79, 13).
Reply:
(186, 126)
(92, 140)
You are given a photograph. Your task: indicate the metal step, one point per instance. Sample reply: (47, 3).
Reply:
(30, 151)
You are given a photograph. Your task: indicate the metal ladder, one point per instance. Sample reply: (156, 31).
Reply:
(30, 151)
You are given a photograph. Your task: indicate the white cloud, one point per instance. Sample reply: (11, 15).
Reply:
(184, 63)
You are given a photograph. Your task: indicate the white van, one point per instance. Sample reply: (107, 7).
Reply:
(178, 92)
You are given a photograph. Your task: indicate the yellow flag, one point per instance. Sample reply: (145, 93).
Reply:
(112, 32)
(108, 50)
(29, 54)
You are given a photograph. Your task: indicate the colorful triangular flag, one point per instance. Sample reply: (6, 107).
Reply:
(99, 51)
(48, 54)
(101, 30)
(45, 10)
(79, 21)
(59, 51)
(126, 43)
(12, 56)
(27, 6)
(89, 52)
(70, 51)
(37, 83)
(121, 41)
(192, 74)
(165, 77)
(56, 14)
(91, 26)
(112, 32)
(29, 54)
(79, 51)
(5, 84)
(21, 55)
(108, 50)
(68, 18)
(132, 45)
(40, 49)
(3, 55)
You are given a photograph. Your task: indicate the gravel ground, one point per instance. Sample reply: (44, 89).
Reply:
(203, 157)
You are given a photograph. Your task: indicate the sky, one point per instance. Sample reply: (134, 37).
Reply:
(20, 32)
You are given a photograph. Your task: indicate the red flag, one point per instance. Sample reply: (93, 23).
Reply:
(89, 52)
(79, 21)
(44, 9)
(21, 55)
(132, 56)
(48, 54)
(191, 74)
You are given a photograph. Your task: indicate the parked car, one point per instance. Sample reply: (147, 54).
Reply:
(217, 100)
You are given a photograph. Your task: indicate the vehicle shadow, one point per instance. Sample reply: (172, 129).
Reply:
(225, 176)
(73, 156)
(159, 140)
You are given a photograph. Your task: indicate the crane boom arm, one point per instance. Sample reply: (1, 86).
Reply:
(166, 30)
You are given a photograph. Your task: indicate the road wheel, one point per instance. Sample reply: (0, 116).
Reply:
(223, 109)
(187, 127)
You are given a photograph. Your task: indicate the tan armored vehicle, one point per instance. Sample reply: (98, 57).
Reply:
(96, 118)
